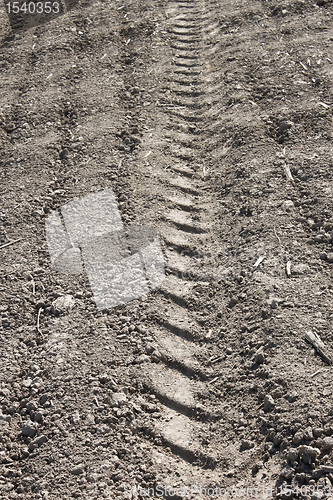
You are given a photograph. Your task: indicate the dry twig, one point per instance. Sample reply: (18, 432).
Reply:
(277, 235)
(319, 345)
(260, 259)
(288, 268)
(288, 173)
(10, 243)
(38, 329)
(33, 284)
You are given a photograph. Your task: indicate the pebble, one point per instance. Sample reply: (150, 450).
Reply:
(29, 428)
(36, 443)
(277, 393)
(293, 396)
(31, 406)
(43, 399)
(14, 408)
(289, 204)
(78, 470)
(143, 358)
(117, 399)
(75, 418)
(317, 432)
(38, 416)
(329, 257)
(232, 302)
(63, 154)
(246, 444)
(256, 467)
(308, 434)
(323, 256)
(104, 378)
(268, 403)
(90, 419)
(277, 440)
(301, 269)
(63, 304)
(259, 356)
(287, 472)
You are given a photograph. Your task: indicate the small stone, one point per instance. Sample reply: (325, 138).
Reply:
(292, 455)
(259, 356)
(75, 418)
(284, 126)
(36, 443)
(29, 428)
(308, 434)
(292, 397)
(27, 382)
(232, 302)
(256, 467)
(269, 403)
(118, 399)
(277, 440)
(104, 378)
(228, 351)
(289, 204)
(247, 444)
(143, 358)
(323, 256)
(31, 406)
(272, 302)
(150, 348)
(284, 444)
(43, 399)
(330, 257)
(90, 419)
(277, 393)
(38, 416)
(78, 470)
(63, 304)
(287, 472)
(63, 154)
(10, 127)
(317, 432)
(301, 269)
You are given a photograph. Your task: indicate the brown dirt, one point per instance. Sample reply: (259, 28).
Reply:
(189, 111)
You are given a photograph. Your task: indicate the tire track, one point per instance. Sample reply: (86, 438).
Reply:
(178, 378)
